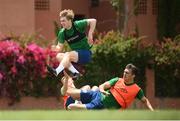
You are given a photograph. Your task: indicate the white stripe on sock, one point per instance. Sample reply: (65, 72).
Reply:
(59, 68)
(72, 69)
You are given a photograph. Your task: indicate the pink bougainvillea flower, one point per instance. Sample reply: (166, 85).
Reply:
(9, 47)
(14, 70)
(37, 51)
(21, 59)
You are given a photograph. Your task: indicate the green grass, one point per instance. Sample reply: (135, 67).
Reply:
(89, 115)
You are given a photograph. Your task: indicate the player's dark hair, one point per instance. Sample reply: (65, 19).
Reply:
(133, 68)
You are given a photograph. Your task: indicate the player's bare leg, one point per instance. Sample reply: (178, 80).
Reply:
(65, 60)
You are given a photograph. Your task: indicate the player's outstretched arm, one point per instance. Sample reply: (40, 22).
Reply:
(146, 102)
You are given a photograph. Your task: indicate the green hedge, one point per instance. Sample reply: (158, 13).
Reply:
(112, 55)
(167, 68)
(115, 51)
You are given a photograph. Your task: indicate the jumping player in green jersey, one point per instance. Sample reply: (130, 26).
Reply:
(74, 34)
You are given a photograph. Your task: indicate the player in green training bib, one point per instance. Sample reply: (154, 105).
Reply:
(74, 34)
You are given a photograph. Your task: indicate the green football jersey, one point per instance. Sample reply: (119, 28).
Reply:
(77, 27)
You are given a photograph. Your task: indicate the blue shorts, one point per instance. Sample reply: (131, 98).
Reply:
(92, 99)
(84, 56)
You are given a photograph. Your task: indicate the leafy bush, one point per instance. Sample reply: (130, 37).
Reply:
(115, 51)
(167, 68)
(111, 56)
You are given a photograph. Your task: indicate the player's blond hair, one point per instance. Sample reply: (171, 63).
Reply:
(69, 14)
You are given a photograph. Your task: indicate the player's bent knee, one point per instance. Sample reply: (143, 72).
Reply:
(95, 88)
(60, 56)
(86, 87)
(67, 55)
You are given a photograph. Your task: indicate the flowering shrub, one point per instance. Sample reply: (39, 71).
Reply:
(167, 68)
(9, 53)
(113, 52)
(23, 70)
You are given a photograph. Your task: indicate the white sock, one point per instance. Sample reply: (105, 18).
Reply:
(59, 68)
(72, 69)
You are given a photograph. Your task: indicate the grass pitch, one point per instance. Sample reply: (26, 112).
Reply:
(89, 115)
